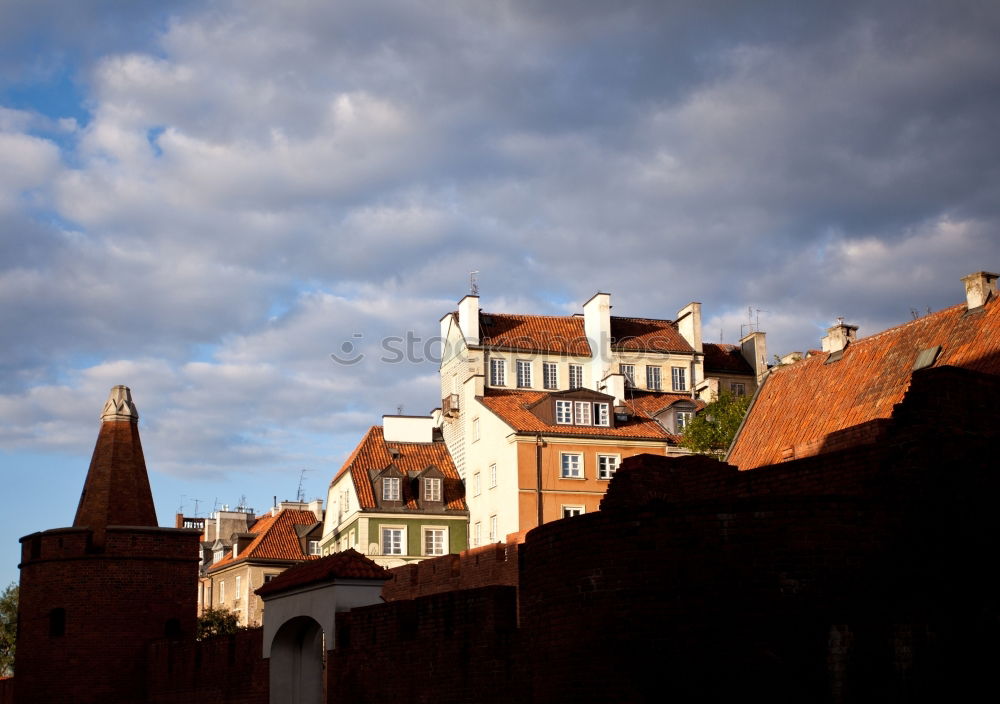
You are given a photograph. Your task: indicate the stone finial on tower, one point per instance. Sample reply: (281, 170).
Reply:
(119, 405)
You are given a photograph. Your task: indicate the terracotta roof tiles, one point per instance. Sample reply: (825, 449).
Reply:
(349, 564)
(801, 404)
(726, 359)
(561, 334)
(647, 335)
(275, 539)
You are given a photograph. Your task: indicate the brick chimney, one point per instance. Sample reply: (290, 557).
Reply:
(839, 336)
(979, 288)
(116, 491)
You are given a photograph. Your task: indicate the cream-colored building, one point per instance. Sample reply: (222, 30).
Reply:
(538, 411)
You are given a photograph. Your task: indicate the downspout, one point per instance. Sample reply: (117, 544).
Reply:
(538, 475)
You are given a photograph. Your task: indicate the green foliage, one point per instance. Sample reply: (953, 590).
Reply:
(711, 431)
(217, 622)
(8, 628)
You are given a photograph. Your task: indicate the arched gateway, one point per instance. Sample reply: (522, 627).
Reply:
(300, 608)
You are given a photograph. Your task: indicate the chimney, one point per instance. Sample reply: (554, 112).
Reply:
(468, 319)
(753, 347)
(980, 288)
(597, 328)
(839, 336)
(116, 491)
(689, 325)
(614, 385)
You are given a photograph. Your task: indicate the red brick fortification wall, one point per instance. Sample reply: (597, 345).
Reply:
(85, 615)
(7, 690)
(221, 670)
(485, 566)
(456, 647)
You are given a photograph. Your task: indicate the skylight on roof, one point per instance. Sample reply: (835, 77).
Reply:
(927, 357)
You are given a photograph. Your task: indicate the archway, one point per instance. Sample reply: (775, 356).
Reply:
(297, 663)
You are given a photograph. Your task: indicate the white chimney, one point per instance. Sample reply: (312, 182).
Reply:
(597, 328)
(839, 336)
(753, 347)
(408, 428)
(468, 319)
(689, 325)
(614, 385)
(979, 288)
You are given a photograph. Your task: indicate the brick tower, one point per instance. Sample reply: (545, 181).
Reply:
(92, 596)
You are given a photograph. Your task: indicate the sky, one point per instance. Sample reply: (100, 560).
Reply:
(206, 200)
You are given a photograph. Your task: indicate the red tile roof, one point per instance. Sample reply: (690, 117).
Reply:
(512, 408)
(725, 358)
(372, 453)
(647, 335)
(799, 405)
(275, 539)
(349, 564)
(560, 334)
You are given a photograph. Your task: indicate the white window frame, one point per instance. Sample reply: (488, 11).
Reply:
(477, 534)
(383, 530)
(564, 412)
(390, 489)
(498, 371)
(493, 529)
(737, 388)
(426, 532)
(523, 367)
(602, 469)
(681, 420)
(628, 371)
(571, 465)
(550, 375)
(432, 489)
(352, 538)
(576, 376)
(678, 378)
(570, 511)
(654, 378)
(475, 429)
(222, 592)
(583, 413)
(602, 414)
(493, 476)
(312, 547)
(476, 485)
(236, 596)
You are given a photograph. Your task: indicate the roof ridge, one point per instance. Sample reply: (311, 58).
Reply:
(907, 323)
(532, 315)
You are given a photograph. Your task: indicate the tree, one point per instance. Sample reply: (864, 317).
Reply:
(217, 622)
(712, 431)
(8, 628)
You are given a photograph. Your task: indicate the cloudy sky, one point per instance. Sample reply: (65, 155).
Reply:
(204, 200)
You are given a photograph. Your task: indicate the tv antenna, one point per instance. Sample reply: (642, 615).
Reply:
(474, 283)
(300, 495)
(753, 320)
(399, 410)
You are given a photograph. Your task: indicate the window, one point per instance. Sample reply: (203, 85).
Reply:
(477, 534)
(603, 414)
(475, 429)
(392, 541)
(222, 592)
(219, 554)
(550, 375)
(737, 388)
(575, 376)
(628, 371)
(607, 465)
(493, 476)
(238, 584)
(432, 489)
(564, 412)
(570, 511)
(653, 378)
(582, 412)
(572, 465)
(476, 487)
(435, 540)
(523, 374)
(677, 375)
(313, 547)
(269, 577)
(352, 539)
(390, 489)
(681, 420)
(493, 528)
(497, 372)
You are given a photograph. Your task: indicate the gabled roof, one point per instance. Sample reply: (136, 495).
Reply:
(276, 539)
(513, 408)
(725, 358)
(559, 334)
(801, 404)
(349, 564)
(649, 403)
(373, 455)
(647, 335)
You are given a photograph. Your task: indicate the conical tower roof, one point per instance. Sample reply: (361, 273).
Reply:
(117, 491)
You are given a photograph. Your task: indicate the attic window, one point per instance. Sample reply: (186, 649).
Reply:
(390, 489)
(927, 357)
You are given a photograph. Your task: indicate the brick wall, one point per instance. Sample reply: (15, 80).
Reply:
(479, 567)
(7, 690)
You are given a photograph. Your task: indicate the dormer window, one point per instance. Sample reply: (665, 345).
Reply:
(432, 489)
(390, 489)
(314, 547)
(583, 413)
(564, 412)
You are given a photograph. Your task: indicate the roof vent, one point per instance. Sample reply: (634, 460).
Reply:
(979, 288)
(394, 453)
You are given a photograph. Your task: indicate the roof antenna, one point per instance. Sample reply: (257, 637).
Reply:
(300, 495)
(399, 410)
(473, 283)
